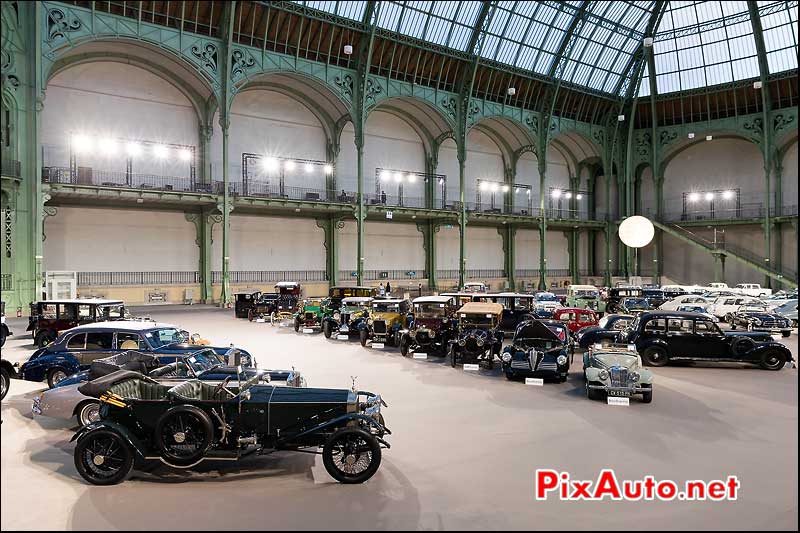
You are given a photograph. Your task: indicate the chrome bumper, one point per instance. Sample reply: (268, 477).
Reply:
(620, 391)
(36, 408)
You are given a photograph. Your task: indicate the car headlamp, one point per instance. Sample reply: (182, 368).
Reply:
(445, 320)
(561, 360)
(461, 342)
(480, 342)
(506, 357)
(412, 333)
(369, 321)
(757, 321)
(603, 375)
(634, 376)
(336, 315)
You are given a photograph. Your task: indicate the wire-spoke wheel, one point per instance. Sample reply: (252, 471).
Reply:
(351, 456)
(183, 434)
(55, 376)
(89, 412)
(103, 457)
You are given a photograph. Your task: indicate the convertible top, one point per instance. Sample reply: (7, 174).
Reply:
(481, 308)
(130, 360)
(99, 386)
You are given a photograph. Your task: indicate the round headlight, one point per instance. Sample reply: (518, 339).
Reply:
(461, 342)
(412, 333)
(336, 315)
(432, 333)
(603, 375)
(562, 360)
(634, 376)
(757, 321)
(369, 321)
(506, 357)
(445, 320)
(480, 342)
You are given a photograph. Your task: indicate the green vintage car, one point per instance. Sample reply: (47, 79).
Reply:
(616, 371)
(585, 297)
(310, 314)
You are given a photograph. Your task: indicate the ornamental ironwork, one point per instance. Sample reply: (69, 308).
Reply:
(345, 84)
(59, 23)
(207, 54)
(241, 60)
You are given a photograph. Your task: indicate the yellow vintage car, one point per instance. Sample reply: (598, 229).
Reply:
(386, 318)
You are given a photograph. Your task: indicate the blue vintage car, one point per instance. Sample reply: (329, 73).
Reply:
(75, 349)
(540, 349)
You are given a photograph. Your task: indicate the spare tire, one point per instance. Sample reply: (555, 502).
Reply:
(183, 434)
(742, 345)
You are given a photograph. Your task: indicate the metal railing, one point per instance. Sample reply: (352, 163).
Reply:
(95, 279)
(378, 274)
(263, 189)
(394, 200)
(7, 282)
(105, 178)
(11, 167)
(268, 276)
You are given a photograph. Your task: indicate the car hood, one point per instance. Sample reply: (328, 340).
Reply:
(613, 359)
(191, 348)
(388, 317)
(755, 335)
(430, 323)
(760, 316)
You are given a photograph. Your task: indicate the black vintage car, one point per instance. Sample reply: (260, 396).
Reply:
(185, 424)
(540, 349)
(479, 337)
(758, 317)
(244, 302)
(607, 331)
(517, 308)
(654, 296)
(337, 294)
(617, 294)
(664, 336)
(4, 331)
(633, 306)
(433, 327)
(348, 319)
(49, 317)
(255, 305)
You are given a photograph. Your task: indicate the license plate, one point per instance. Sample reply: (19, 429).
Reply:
(472, 368)
(538, 382)
(615, 400)
(420, 355)
(308, 330)
(342, 337)
(344, 328)
(377, 345)
(260, 320)
(619, 393)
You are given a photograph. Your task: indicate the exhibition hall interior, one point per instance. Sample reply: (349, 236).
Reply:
(399, 265)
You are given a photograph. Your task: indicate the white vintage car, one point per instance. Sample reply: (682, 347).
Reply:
(686, 299)
(616, 371)
(725, 305)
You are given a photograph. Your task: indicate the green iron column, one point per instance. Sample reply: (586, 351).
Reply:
(331, 155)
(203, 222)
(329, 226)
(361, 214)
(574, 235)
(431, 165)
(428, 230)
(658, 253)
(777, 250)
(542, 163)
(227, 207)
(508, 233)
(608, 265)
(462, 214)
(205, 132)
(719, 267)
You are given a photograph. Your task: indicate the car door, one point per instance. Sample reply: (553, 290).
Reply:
(710, 342)
(99, 344)
(680, 337)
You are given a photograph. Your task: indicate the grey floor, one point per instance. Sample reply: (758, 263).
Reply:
(464, 450)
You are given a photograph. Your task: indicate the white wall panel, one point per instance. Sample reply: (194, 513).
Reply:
(789, 176)
(527, 249)
(390, 143)
(116, 101)
(484, 248)
(393, 246)
(348, 246)
(107, 240)
(447, 248)
(557, 250)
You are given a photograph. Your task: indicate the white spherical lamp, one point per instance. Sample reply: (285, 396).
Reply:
(636, 231)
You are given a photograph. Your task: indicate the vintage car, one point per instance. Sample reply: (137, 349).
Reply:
(4, 331)
(337, 294)
(575, 318)
(617, 294)
(49, 318)
(540, 349)
(684, 299)
(310, 315)
(75, 349)
(664, 336)
(616, 371)
(545, 303)
(699, 309)
(474, 286)
(788, 311)
(585, 297)
(479, 337)
(255, 305)
(654, 296)
(183, 425)
(673, 291)
(725, 306)
(387, 318)
(607, 331)
(287, 303)
(433, 327)
(348, 318)
(633, 306)
(244, 302)
(517, 308)
(758, 317)
(7, 372)
(66, 401)
(460, 298)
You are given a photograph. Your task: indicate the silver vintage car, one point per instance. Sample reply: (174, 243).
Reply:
(616, 371)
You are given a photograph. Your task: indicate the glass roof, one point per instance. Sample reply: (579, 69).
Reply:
(697, 43)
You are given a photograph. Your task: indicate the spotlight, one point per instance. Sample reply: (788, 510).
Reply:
(385, 175)
(398, 177)
(348, 49)
(709, 137)
(579, 196)
(648, 42)
(556, 193)
(709, 196)
(185, 154)
(484, 186)
(567, 195)
(694, 197)
(309, 168)
(270, 164)
(495, 187)
(691, 135)
(757, 85)
(511, 91)
(411, 178)
(134, 148)
(505, 188)
(289, 165)
(620, 118)
(328, 169)
(108, 146)
(728, 195)
(160, 151)
(81, 143)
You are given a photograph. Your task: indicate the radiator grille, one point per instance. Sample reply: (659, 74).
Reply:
(619, 376)
(379, 326)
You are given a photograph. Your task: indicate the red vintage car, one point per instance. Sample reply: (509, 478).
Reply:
(575, 318)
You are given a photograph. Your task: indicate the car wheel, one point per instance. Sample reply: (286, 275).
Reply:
(183, 434)
(404, 342)
(647, 396)
(103, 457)
(510, 376)
(55, 376)
(5, 383)
(785, 333)
(594, 394)
(2, 336)
(297, 324)
(272, 318)
(742, 345)
(351, 456)
(453, 356)
(250, 315)
(773, 360)
(88, 412)
(363, 336)
(326, 329)
(43, 338)
(655, 356)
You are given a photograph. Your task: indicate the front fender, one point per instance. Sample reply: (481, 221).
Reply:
(136, 445)
(761, 348)
(593, 374)
(341, 421)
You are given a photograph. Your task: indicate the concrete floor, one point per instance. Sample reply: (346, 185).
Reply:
(464, 450)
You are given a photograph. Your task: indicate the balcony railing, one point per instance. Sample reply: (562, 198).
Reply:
(105, 178)
(7, 282)
(268, 276)
(95, 279)
(754, 210)
(11, 168)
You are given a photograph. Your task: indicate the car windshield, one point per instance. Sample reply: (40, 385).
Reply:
(159, 338)
(476, 320)
(586, 294)
(546, 298)
(386, 308)
(430, 310)
(653, 293)
(115, 311)
(202, 361)
(636, 302)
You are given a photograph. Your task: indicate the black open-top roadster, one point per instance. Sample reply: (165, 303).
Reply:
(185, 424)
